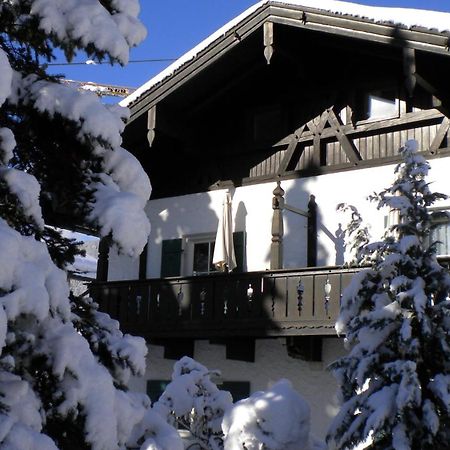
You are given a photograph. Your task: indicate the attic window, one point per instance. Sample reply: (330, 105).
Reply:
(268, 125)
(377, 105)
(383, 104)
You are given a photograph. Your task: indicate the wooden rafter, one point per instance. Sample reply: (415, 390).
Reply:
(409, 70)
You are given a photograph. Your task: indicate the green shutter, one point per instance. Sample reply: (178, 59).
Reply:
(171, 258)
(239, 251)
(155, 388)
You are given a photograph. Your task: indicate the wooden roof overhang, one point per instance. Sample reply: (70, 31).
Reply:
(198, 116)
(305, 18)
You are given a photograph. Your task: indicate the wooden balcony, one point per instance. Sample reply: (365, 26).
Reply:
(257, 304)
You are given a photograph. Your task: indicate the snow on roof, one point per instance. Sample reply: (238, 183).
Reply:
(406, 17)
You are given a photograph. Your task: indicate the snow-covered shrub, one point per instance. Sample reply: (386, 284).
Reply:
(193, 401)
(154, 433)
(395, 381)
(278, 419)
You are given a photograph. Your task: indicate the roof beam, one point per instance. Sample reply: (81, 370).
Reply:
(409, 70)
(358, 27)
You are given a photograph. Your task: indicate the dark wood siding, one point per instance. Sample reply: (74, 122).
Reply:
(384, 141)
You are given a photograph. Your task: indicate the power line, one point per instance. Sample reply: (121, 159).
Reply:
(94, 63)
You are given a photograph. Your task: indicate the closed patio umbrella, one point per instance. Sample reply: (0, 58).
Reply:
(223, 257)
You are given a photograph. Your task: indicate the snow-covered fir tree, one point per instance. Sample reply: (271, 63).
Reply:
(193, 402)
(395, 381)
(63, 364)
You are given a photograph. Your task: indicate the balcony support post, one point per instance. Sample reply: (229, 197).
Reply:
(103, 258)
(276, 249)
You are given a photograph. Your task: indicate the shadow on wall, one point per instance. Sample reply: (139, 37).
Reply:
(338, 239)
(173, 219)
(295, 237)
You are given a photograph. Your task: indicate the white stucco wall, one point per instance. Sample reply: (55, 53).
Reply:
(272, 362)
(122, 267)
(177, 217)
(180, 216)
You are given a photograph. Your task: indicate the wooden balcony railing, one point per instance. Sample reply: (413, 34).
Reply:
(269, 303)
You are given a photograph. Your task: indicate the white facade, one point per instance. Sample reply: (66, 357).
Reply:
(197, 214)
(311, 379)
(193, 215)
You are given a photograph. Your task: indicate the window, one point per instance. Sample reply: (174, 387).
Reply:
(382, 105)
(193, 254)
(238, 389)
(155, 388)
(441, 233)
(376, 105)
(203, 258)
(198, 255)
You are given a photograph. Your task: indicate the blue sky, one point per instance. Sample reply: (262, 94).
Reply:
(175, 26)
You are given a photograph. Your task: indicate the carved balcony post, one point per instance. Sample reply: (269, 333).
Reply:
(103, 258)
(276, 249)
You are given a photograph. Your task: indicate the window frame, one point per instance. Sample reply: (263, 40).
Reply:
(187, 264)
(442, 220)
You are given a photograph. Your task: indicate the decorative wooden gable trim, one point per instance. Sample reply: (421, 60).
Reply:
(291, 149)
(268, 41)
(347, 145)
(316, 128)
(151, 125)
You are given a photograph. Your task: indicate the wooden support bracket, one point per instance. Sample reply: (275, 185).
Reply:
(268, 41)
(151, 121)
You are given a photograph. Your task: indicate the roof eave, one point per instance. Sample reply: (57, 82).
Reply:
(302, 17)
